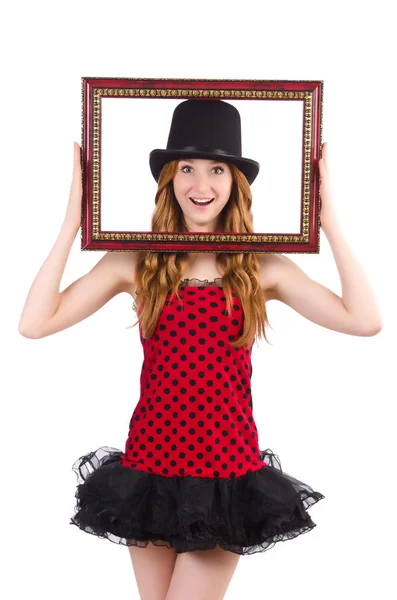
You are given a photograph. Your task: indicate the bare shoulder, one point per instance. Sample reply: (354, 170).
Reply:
(123, 263)
(272, 267)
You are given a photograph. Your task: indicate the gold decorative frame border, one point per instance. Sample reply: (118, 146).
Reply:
(98, 93)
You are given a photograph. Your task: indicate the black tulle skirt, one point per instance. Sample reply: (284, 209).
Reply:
(245, 515)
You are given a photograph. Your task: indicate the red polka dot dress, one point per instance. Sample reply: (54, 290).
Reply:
(192, 475)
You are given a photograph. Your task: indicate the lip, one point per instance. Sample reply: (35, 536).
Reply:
(203, 206)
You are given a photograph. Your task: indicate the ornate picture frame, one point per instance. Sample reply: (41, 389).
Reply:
(287, 131)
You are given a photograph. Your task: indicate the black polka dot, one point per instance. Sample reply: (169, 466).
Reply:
(194, 414)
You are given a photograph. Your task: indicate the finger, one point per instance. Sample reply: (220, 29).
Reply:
(77, 162)
(324, 153)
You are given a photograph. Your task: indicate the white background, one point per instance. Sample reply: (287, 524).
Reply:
(323, 401)
(272, 132)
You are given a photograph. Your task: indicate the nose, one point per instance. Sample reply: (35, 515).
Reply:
(202, 185)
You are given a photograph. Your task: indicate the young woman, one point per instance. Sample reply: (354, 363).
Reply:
(192, 491)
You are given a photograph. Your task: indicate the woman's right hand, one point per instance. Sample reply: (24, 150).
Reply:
(73, 212)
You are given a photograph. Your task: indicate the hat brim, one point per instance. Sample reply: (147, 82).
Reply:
(158, 158)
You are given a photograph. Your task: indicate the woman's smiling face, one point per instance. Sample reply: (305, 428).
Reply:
(199, 179)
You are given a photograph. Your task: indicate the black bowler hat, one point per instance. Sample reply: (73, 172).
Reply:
(204, 129)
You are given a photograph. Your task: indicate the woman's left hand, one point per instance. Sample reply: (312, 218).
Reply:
(327, 209)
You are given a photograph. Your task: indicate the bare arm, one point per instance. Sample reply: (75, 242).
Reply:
(43, 298)
(285, 281)
(80, 299)
(48, 311)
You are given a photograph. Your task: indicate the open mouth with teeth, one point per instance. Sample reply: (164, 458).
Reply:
(201, 202)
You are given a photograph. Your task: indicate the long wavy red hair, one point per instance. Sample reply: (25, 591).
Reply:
(156, 273)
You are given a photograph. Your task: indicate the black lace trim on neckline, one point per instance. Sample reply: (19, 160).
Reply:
(194, 282)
